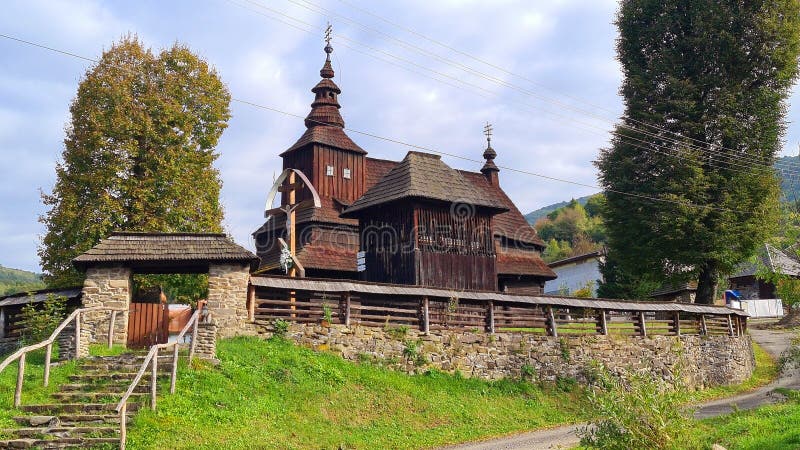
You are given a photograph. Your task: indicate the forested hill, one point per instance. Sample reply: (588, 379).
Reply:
(15, 280)
(533, 216)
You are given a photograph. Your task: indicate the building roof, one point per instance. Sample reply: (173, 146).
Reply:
(674, 289)
(423, 176)
(577, 258)
(38, 296)
(773, 260)
(510, 224)
(133, 247)
(515, 262)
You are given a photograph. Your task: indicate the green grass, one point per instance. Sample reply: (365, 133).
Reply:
(767, 428)
(273, 394)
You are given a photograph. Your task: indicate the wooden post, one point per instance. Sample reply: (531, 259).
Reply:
(251, 303)
(111, 329)
(730, 325)
(172, 380)
(193, 345)
(491, 316)
(642, 325)
(551, 322)
(676, 322)
(426, 323)
(48, 353)
(703, 327)
(346, 299)
(601, 316)
(123, 422)
(20, 376)
(154, 380)
(77, 335)
(2, 322)
(292, 237)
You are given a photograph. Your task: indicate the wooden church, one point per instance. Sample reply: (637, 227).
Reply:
(418, 221)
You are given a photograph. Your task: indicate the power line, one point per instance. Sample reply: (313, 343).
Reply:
(414, 146)
(508, 72)
(713, 157)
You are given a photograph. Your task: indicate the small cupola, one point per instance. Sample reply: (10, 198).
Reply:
(489, 169)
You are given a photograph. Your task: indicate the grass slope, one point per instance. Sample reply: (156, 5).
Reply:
(273, 394)
(13, 281)
(535, 215)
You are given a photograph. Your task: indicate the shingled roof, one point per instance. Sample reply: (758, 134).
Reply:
(773, 260)
(423, 176)
(132, 247)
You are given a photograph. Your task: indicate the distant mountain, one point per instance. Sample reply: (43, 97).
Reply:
(533, 216)
(13, 281)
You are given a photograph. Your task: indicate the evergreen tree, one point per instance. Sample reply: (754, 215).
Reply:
(716, 75)
(138, 153)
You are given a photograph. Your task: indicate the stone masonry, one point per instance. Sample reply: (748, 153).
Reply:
(105, 286)
(227, 299)
(701, 361)
(206, 341)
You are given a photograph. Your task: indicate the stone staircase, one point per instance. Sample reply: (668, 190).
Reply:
(82, 414)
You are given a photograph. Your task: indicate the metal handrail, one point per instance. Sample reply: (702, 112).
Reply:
(76, 316)
(152, 360)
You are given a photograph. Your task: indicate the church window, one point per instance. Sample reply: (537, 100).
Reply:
(329, 171)
(346, 173)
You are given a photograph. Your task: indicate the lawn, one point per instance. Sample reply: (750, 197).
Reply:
(273, 394)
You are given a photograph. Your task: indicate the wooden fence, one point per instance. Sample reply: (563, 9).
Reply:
(428, 309)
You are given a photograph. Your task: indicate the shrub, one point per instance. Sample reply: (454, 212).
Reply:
(638, 411)
(527, 372)
(41, 322)
(281, 327)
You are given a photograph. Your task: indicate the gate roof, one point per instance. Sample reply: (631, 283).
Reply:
(172, 250)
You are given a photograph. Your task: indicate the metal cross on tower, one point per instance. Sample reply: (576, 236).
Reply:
(328, 31)
(487, 130)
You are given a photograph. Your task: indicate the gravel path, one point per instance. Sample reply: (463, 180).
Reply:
(774, 342)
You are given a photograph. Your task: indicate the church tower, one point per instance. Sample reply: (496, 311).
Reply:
(329, 158)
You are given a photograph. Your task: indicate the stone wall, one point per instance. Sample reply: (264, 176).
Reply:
(206, 341)
(106, 286)
(701, 360)
(227, 299)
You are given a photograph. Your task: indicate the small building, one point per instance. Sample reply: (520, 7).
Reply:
(676, 292)
(11, 328)
(746, 282)
(576, 272)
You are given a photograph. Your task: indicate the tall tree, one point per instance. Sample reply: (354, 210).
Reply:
(705, 84)
(138, 154)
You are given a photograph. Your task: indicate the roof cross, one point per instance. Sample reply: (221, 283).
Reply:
(487, 130)
(328, 32)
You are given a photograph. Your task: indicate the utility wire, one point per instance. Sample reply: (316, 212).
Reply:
(503, 70)
(625, 137)
(414, 146)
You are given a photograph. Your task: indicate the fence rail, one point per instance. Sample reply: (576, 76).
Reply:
(381, 305)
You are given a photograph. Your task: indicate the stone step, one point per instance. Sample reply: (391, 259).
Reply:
(162, 368)
(62, 432)
(75, 396)
(95, 378)
(120, 388)
(59, 408)
(77, 419)
(84, 442)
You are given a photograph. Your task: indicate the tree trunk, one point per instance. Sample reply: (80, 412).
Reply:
(707, 285)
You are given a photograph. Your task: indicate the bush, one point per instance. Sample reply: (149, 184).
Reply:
(281, 327)
(638, 411)
(39, 323)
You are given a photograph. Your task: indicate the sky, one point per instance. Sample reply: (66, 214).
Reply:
(427, 73)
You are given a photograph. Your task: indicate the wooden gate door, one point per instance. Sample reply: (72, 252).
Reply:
(148, 324)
